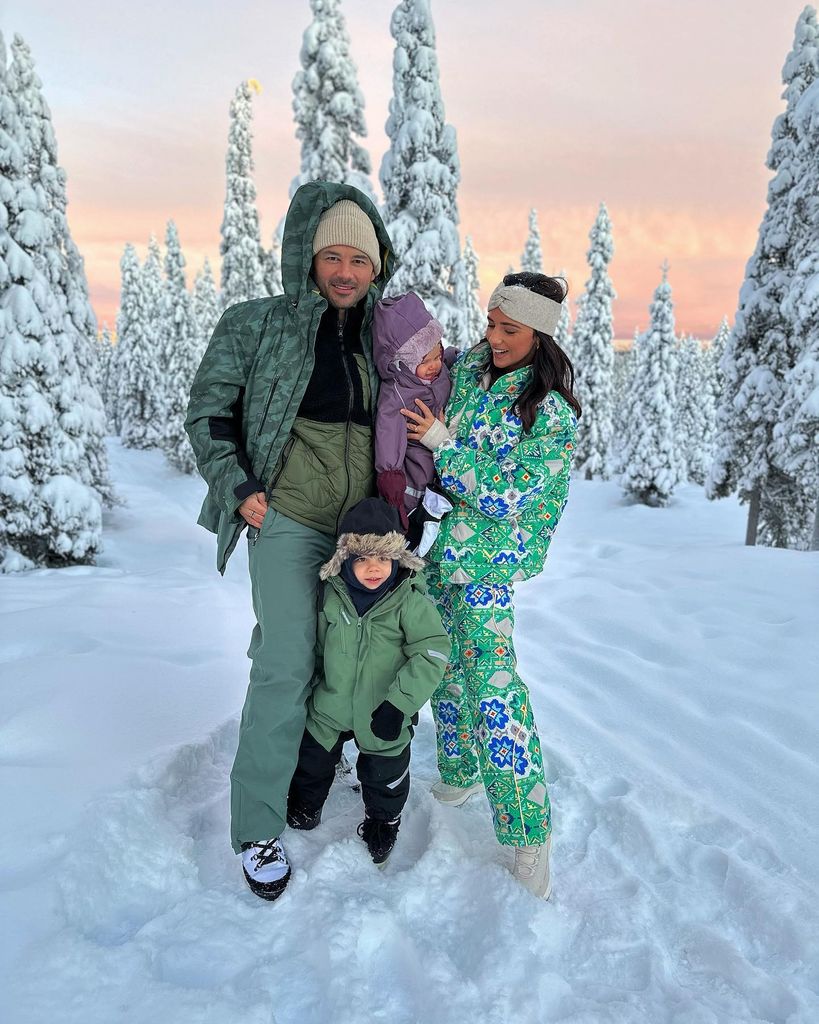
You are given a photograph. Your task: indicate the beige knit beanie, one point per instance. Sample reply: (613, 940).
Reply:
(345, 223)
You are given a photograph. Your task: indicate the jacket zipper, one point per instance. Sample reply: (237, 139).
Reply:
(285, 455)
(349, 414)
(266, 408)
(293, 304)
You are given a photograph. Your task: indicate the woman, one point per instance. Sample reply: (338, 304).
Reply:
(503, 455)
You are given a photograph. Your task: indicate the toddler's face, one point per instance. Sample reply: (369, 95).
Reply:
(371, 570)
(430, 365)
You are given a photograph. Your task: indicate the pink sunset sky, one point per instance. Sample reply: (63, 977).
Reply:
(662, 110)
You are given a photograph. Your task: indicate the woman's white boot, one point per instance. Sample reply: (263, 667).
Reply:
(531, 868)
(455, 795)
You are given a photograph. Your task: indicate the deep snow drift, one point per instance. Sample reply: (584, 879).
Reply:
(673, 674)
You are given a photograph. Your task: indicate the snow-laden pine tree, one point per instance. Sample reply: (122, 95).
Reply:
(206, 305)
(593, 354)
(140, 378)
(153, 288)
(716, 352)
(686, 420)
(564, 327)
(531, 259)
(762, 347)
(63, 263)
(700, 465)
(273, 265)
(328, 105)
(474, 313)
(694, 411)
(184, 351)
(622, 372)
(240, 247)
(420, 173)
(796, 435)
(48, 516)
(650, 457)
(106, 370)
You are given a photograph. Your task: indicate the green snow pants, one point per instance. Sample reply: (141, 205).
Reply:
(483, 717)
(284, 558)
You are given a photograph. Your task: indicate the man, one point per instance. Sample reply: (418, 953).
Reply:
(280, 419)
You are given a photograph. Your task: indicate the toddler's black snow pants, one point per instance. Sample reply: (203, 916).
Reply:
(385, 781)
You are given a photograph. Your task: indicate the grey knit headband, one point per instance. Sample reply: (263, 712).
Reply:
(536, 311)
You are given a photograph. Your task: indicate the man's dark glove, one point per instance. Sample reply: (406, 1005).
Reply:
(387, 721)
(391, 486)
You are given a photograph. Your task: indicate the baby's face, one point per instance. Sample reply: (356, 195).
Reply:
(430, 365)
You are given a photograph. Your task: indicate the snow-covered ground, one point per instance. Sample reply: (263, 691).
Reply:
(674, 678)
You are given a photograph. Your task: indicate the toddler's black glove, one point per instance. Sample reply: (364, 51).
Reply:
(387, 721)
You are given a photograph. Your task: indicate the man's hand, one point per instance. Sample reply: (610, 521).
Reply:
(253, 509)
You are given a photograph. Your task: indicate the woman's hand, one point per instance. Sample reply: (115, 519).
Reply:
(253, 509)
(419, 423)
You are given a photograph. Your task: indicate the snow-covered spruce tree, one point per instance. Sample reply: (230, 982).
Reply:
(273, 265)
(206, 305)
(593, 354)
(531, 259)
(153, 288)
(694, 411)
(420, 173)
(48, 516)
(622, 372)
(716, 352)
(240, 247)
(64, 264)
(106, 370)
(762, 347)
(700, 466)
(786, 512)
(474, 313)
(650, 457)
(139, 376)
(686, 417)
(328, 105)
(184, 350)
(564, 327)
(796, 435)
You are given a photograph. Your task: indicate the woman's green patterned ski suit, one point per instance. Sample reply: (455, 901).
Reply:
(509, 489)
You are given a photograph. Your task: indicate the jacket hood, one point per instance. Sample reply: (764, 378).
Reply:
(403, 328)
(306, 207)
(390, 545)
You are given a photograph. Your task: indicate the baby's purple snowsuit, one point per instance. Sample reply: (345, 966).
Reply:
(397, 322)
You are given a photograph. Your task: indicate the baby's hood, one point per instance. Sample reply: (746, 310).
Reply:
(403, 327)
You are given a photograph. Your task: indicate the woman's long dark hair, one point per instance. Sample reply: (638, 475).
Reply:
(552, 369)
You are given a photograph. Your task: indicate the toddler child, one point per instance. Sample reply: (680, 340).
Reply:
(381, 652)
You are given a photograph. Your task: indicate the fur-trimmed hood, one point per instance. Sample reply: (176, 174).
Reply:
(381, 545)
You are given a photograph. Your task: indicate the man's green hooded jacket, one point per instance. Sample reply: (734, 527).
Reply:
(248, 388)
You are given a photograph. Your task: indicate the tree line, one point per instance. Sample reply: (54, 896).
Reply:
(740, 415)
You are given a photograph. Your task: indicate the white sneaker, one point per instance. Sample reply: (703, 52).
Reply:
(266, 868)
(531, 868)
(455, 795)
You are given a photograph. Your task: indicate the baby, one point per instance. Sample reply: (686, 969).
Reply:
(412, 363)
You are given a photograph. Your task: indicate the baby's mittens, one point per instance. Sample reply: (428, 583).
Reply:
(387, 721)
(391, 486)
